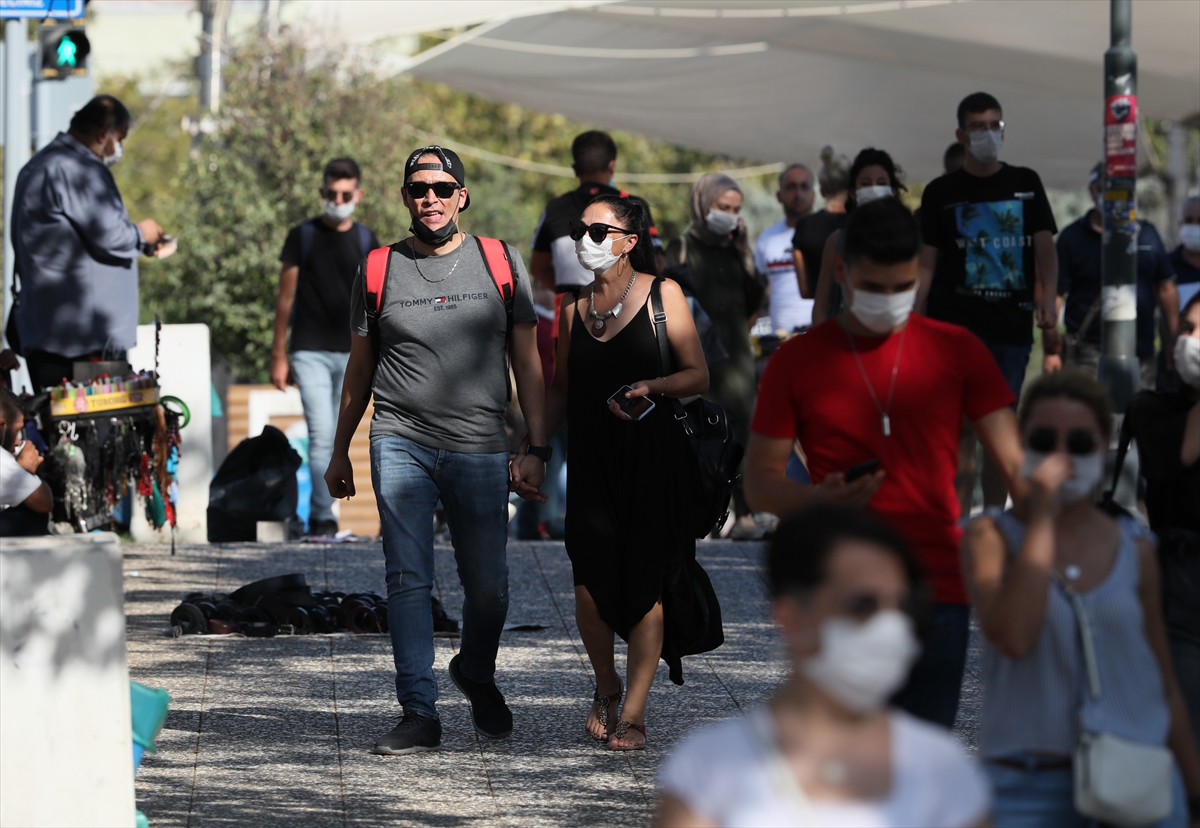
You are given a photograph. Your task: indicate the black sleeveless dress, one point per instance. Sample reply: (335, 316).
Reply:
(629, 494)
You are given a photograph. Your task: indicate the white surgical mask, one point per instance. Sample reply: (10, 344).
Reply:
(118, 151)
(1187, 359)
(721, 222)
(597, 258)
(985, 145)
(865, 195)
(861, 664)
(1086, 473)
(882, 313)
(339, 212)
(1189, 236)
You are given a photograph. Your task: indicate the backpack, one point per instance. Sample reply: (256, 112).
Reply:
(308, 232)
(716, 453)
(499, 266)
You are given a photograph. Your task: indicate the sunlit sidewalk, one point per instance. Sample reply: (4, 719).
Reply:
(278, 731)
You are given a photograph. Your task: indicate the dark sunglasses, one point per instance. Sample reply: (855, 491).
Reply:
(596, 231)
(1080, 441)
(338, 197)
(441, 189)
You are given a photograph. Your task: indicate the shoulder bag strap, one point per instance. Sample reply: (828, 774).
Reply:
(364, 236)
(503, 271)
(308, 234)
(660, 326)
(1085, 635)
(1088, 319)
(1126, 435)
(373, 286)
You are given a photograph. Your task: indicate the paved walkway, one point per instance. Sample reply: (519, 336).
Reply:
(277, 731)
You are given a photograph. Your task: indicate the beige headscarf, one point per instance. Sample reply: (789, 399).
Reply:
(708, 189)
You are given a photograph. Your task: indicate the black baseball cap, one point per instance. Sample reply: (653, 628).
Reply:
(450, 162)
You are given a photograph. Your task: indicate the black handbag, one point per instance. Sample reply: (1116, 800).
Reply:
(717, 454)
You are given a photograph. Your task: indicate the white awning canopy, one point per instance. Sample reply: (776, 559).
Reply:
(773, 81)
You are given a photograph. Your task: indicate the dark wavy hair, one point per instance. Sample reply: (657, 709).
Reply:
(634, 215)
(871, 157)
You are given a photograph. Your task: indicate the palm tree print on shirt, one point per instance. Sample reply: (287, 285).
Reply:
(992, 236)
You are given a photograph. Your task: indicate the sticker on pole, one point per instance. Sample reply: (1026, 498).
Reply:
(1120, 136)
(42, 9)
(1120, 303)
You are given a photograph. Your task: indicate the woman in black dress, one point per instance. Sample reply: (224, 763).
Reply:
(628, 528)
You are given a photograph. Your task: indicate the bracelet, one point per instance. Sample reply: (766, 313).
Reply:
(666, 385)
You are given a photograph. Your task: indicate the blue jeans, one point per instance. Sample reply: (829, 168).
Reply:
(1046, 799)
(1013, 360)
(319, 375)
(935, 682)
(409, 478)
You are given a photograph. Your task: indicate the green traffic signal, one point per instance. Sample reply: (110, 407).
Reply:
(66, 51)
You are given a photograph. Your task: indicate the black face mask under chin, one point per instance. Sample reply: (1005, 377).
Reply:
(434, 238)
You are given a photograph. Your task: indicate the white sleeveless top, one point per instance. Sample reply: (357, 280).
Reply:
(727, 774)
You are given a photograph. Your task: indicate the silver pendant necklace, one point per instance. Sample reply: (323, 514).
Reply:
(884, 420)
(413, 246)
(598, 325)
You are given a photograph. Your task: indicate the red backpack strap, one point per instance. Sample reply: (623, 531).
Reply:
(377, 267)
(504, 273)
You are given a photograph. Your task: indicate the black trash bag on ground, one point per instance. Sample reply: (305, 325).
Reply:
(256, 482)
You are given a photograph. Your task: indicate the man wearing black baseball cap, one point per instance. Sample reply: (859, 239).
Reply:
(438, 371)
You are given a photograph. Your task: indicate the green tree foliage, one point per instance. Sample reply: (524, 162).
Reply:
(285, 113)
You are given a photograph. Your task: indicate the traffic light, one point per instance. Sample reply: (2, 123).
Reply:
(65, 50)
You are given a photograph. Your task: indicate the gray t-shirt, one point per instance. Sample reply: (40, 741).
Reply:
(442, 377)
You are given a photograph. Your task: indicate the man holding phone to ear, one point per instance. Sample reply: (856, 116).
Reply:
(434, 358)
(877, 397)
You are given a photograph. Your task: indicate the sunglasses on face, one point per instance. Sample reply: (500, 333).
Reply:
(1080, 441)
(441, 189)
(338, 197)
(597, 232)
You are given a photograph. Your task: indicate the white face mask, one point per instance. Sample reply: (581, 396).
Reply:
(119, 151)
(1086, 473)
(597, 258)
(865, 195)
(1189, 236)
(721, 222)
(339, 212)
(985, 145)
(882, 313)
(860, 665)
(1187, 359)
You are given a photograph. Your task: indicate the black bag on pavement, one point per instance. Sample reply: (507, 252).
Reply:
(257, 481)
(717, 454)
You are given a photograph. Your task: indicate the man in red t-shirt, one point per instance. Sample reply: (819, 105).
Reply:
(879, 384)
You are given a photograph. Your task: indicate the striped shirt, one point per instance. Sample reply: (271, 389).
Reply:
(1038, 702)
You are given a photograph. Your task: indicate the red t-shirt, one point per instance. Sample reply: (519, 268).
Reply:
(813, 390)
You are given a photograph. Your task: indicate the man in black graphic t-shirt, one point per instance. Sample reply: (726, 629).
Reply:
(987, 237)
(320, 258)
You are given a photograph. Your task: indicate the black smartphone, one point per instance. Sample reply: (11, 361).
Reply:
(861, 470)
(635, 408)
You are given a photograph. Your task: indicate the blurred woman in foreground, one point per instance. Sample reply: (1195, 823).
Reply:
(827, 750)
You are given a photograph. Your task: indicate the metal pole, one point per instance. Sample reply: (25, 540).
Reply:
(1119, 363)
(16, 136)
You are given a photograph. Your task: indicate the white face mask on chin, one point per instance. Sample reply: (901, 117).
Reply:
(861, 664)
(118, 152)
(597, 258)
(882, 313)
(1086, 473)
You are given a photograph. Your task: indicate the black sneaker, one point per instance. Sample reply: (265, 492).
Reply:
(414, 734)
(489, 713)
(322, 528)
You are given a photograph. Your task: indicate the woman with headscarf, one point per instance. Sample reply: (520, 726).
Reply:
(716, 251)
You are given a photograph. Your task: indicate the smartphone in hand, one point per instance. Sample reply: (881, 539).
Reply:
(635, 408)
(862, 470)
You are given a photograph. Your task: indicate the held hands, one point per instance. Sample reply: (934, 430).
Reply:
(339, 476)
(834, 489)
(526, 474)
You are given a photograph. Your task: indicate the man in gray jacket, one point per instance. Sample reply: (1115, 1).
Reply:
(76, 248)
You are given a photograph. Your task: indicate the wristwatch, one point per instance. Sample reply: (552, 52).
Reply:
(541, 452)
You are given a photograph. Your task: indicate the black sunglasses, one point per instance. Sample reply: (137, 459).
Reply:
(1080, 441)
(441, 189)
(596, 231)
(338, 197)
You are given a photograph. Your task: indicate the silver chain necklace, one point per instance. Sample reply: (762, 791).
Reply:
(413, 246)
(598, 325)
(884, 410)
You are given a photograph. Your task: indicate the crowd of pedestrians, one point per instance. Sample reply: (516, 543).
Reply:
(906, 339)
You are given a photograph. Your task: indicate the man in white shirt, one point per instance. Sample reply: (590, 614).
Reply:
(773, 252)
(25, 501)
